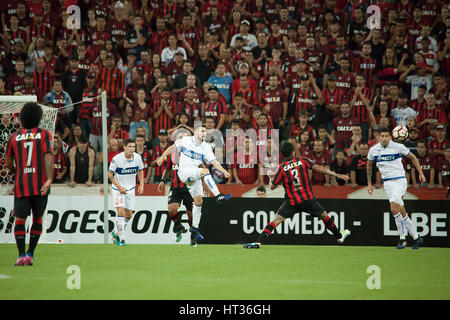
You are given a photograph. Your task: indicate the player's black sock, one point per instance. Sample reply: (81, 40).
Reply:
(35, 234)
(266, 232)
(19, 234)
(329, 223)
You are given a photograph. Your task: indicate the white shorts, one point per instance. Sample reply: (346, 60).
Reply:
(395, 190)
(126, 200)
(193, 179)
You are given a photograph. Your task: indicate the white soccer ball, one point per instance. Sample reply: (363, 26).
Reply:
(400, 132)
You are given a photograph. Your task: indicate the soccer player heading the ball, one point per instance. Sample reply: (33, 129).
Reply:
(388, 156)
(293, 174)
(194, 151)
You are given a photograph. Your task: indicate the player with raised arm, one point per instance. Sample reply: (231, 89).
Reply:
(178, 193)
(194, 151)
(29, 157)
(388, 155)
(122, 174)
(293, 174)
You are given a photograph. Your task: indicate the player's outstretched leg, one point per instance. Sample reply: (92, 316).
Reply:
(268, 229)
(340, 235)
(211, 184)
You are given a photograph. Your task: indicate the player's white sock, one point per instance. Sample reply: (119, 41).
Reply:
(410, 227)
(125, 223)
(400, 225)
(196, 215)
(120, 225)
(209, 181)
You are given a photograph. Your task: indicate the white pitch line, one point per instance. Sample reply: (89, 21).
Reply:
(4, 276)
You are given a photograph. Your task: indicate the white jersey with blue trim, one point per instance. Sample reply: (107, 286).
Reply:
(125, 170)
(389, 159)
(192, 154)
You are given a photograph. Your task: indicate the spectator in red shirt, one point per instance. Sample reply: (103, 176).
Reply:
(427, 163)
(142, 113)
(342, 127)
(245, 171)
(443, 169)
(320, 157)
(239, 111)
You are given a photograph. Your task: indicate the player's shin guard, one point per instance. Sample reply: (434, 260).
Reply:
(410, 227)
(19, 234)
(209, 181)
(329, 224)
(35, 234)
(196, 215)
(267, 232)
(400, 225)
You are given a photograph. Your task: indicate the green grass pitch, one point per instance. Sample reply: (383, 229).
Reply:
(213, 272)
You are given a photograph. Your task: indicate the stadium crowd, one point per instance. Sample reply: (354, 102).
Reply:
(312, 69)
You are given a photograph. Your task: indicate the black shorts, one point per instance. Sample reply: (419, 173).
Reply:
(311, 206)
(176, 195)
(35, 204)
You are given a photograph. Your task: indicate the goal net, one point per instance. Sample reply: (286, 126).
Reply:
(10, 107)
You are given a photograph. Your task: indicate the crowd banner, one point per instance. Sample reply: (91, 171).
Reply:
(79, 219)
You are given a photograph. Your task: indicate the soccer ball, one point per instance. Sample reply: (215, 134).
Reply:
(400, 132)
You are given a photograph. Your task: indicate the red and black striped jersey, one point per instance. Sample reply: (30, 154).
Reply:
(158, 41)
(248, 170)
(33, 91)
(427, 162)
(343, 128)
(441, 146)
(443, 168)
(296, 129)
(276, 99)
(27, 148)
(53, 65)
(146, 160)
(59, 162)
(366, 67)
(322, 160)
(276, 41)
(42, 30)
(249, 95)
(89, 98)
(192, 110)
(118, 29)
(43, 81)
(15, 83)
(18, 34)
(94, 39)
(172, 164)
(292, 173)
(418, 105)
(302, 100)
(120, 135)
(359, 110)
(112, 81)
(158, 152)
(192, 35)
(164, 121)
(214, 109)
(333, 97)
(345, 82)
